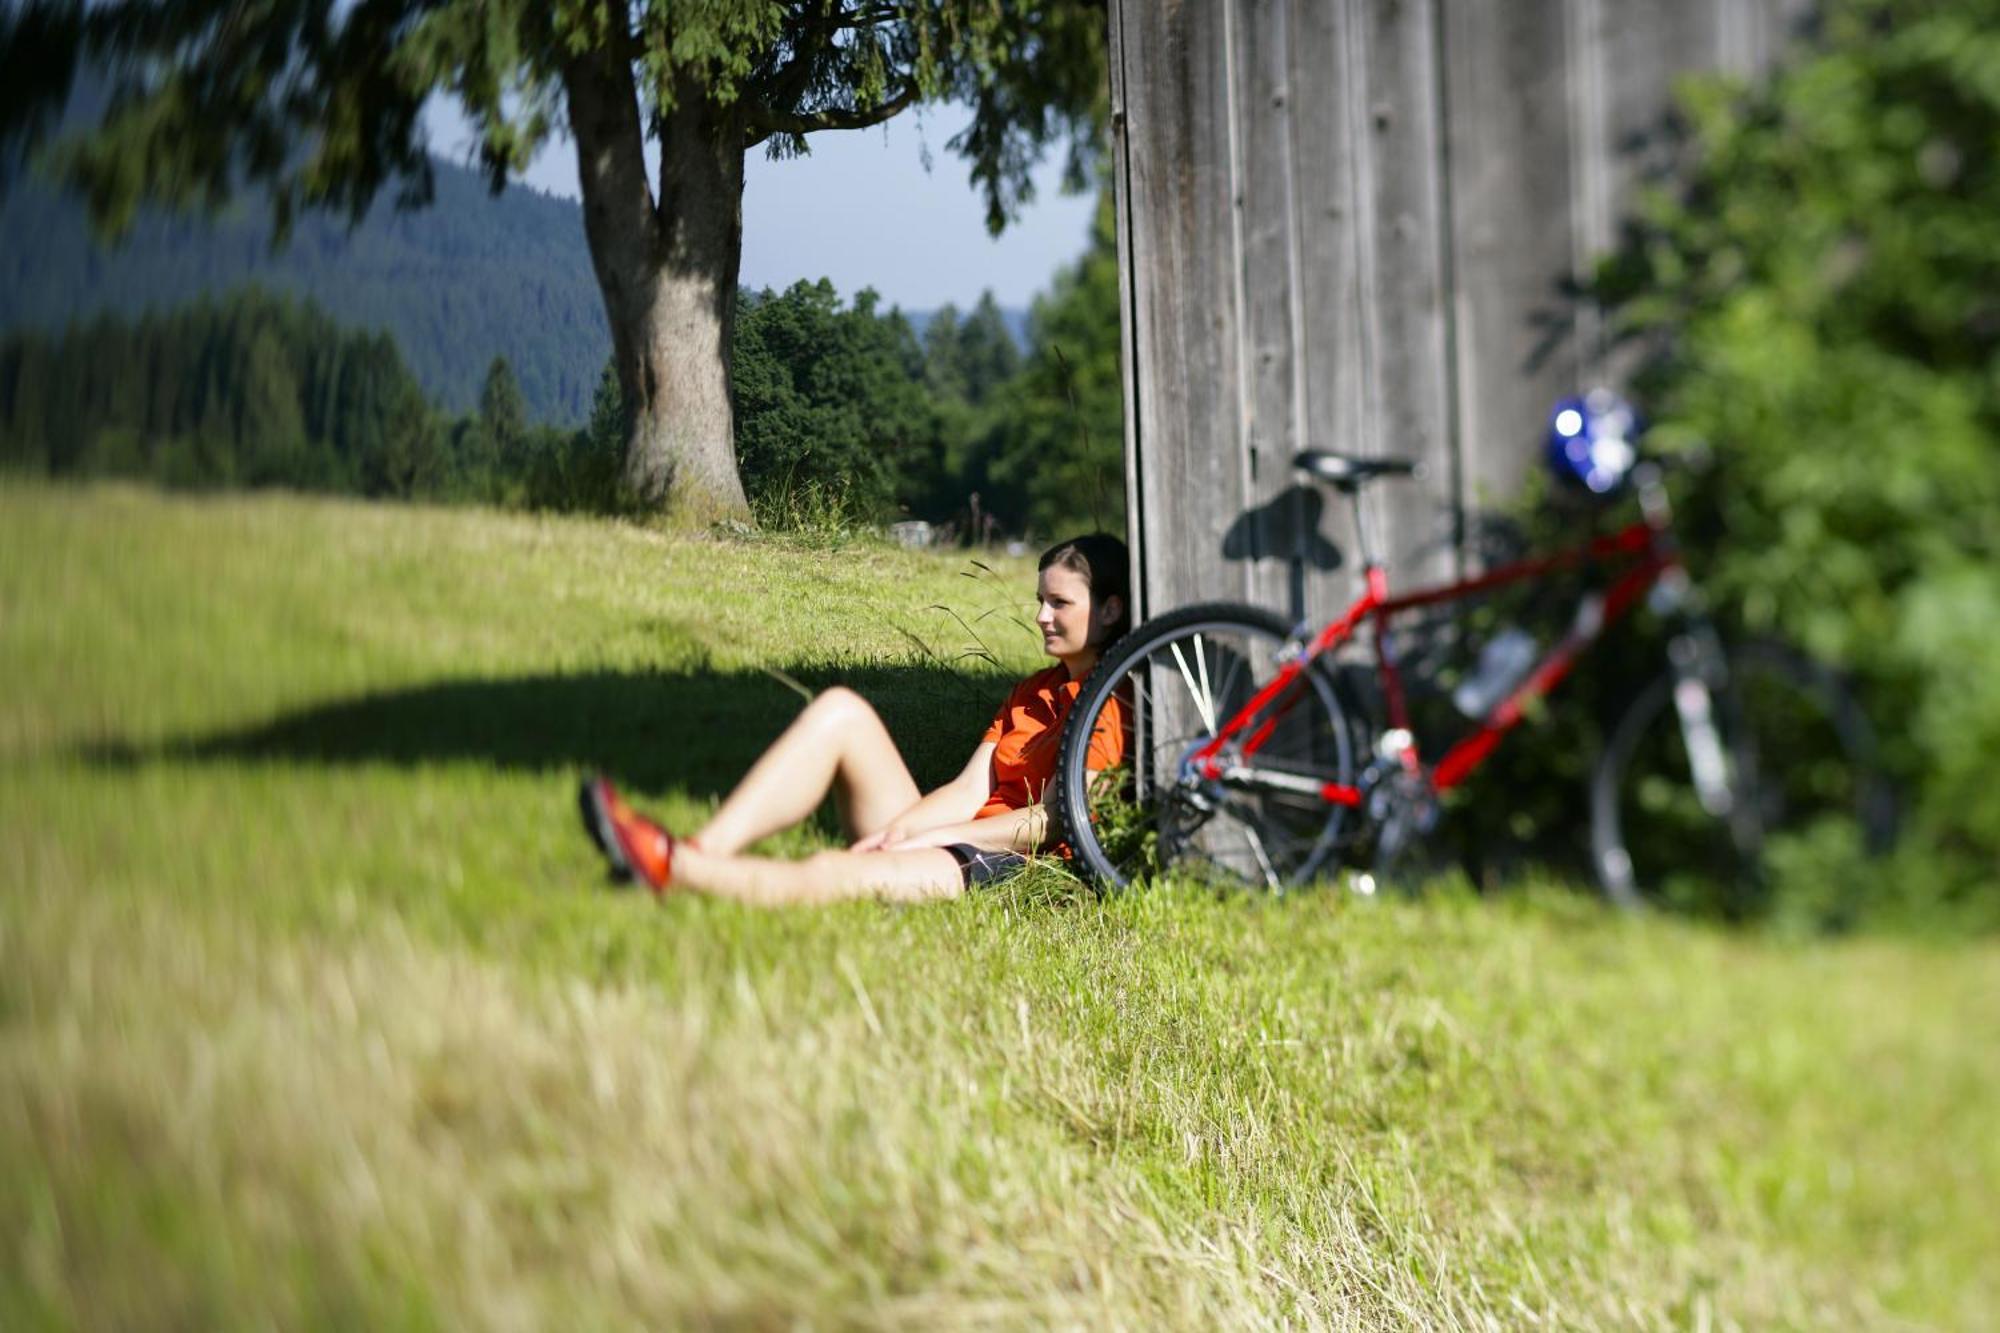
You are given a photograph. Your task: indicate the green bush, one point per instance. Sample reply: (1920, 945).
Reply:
(1819, 294)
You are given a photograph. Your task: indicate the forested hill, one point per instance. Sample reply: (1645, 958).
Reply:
(467, 279)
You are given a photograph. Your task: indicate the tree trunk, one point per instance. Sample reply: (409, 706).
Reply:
(667, 270)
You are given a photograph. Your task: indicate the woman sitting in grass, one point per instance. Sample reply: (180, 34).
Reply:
(976, 828)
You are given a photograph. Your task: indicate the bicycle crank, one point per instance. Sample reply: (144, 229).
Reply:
(1403, 810)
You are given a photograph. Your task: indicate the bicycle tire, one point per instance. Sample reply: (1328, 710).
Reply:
(1801, 758)
(1148, 815)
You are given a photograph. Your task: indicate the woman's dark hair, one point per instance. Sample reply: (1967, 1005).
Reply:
(1106, 567)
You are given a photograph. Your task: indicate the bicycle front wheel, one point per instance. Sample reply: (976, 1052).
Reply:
(1159, 696)
(1699, 800)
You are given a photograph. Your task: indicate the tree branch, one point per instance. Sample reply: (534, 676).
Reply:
(784, 85)
(812, 42)
(765, 122)
(863, 18)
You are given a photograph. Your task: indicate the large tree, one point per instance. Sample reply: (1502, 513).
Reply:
(320, 103)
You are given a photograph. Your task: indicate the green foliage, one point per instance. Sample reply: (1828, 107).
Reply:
(1055, 451)
(838, 427)
(829, 403)
(262, 391)
(944, 369)
(255, 391)
(1819, 293)
(578, 472)
(501, 413)
(844, 417)
(854, 413)
(987, 355)
(501, 428)
(968, 359)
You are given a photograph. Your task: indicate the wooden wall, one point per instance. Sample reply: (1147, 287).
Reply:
(1355, 224)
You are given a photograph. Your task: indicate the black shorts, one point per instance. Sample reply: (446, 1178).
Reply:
(976, 866)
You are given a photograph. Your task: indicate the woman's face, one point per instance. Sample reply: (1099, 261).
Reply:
(1071, 625)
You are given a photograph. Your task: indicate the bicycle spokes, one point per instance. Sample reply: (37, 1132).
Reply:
(1250, 807)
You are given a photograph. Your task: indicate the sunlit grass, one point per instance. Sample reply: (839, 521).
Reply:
(314, 1007)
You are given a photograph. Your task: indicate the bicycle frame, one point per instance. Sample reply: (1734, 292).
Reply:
(1646, 542)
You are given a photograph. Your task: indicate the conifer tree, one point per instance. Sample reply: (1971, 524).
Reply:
(944, 354)
(501, 412)
(987, 355)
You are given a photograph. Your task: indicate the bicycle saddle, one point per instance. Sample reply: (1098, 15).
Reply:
(1348, 472)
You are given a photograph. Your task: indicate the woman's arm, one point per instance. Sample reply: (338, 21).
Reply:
(1022, 830)
(954, 803)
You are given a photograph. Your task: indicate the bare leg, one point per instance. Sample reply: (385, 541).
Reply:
(837, 744)
(913, 876)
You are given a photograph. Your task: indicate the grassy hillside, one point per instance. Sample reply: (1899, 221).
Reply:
(314, 1007)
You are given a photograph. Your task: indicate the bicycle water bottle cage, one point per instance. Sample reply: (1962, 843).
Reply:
(1348, 472)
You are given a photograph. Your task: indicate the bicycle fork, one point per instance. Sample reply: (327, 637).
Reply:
(1723, 768)
(1696, 660)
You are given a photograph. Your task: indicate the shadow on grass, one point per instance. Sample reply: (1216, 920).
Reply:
(694, 731)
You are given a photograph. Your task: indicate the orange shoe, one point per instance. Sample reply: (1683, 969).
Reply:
(636, 847)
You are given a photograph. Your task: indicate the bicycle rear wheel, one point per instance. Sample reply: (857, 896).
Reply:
(1699, 816)
(1163, 692)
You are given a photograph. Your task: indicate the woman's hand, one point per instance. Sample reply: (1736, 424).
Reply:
(883, 840)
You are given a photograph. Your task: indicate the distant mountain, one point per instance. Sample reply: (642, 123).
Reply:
(467, 279)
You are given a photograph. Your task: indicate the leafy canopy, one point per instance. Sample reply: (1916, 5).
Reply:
(831, 408)
(321, 102)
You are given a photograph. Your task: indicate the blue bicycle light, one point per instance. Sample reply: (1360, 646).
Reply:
(1591, 441)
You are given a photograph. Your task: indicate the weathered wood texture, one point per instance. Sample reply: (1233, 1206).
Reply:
(1357, 225)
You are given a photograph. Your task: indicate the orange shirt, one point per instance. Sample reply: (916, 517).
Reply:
(1028, 732)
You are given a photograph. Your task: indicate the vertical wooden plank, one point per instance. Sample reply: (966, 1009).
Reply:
(1401, 160)
(1644, 49)
(1757, 34)
(1742, 34)
(1754, 35)
(1262, 538)
(1591, 207)
(1625, 56)
(1185, 376)
(1507, 102)
(1333, 379)
(1125, 223)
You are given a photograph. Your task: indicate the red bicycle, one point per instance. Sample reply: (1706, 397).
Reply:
(1275, 755)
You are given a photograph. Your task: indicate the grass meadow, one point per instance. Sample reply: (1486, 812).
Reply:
(315, 1008)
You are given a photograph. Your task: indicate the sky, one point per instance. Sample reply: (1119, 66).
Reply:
(863, 211)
